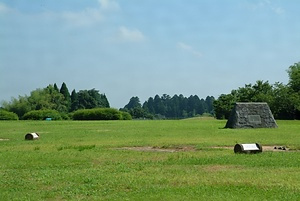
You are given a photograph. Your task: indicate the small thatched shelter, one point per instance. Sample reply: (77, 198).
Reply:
(251, 115)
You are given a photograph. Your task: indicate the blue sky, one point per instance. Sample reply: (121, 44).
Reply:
(127, 48)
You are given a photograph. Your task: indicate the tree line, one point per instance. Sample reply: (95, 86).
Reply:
(167, 107)
(60, 100)
(283, 100)
(61, 104)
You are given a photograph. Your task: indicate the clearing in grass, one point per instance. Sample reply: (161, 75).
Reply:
(146, 160)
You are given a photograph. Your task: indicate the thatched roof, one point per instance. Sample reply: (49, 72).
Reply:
(251, 115)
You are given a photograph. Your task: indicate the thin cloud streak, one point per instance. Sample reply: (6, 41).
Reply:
(130, 35)
(189, 49)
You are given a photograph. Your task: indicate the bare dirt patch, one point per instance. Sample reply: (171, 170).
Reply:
(192, 148)
(4, 139)
(159, 149)
(264, 148)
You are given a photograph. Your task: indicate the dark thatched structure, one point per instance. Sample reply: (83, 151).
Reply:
(251, 115)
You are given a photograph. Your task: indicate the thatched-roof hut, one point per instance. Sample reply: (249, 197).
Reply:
(251, 115)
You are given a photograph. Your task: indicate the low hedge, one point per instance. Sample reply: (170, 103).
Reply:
(126, 115)
(5, 115)
(100, 114)
(42, 115)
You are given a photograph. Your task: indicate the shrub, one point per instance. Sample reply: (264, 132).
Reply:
(5, 115)
(126, 115)
(98, 114)
(65, 116)
(42, 115)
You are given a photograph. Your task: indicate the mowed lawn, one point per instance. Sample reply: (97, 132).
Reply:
(146, 160)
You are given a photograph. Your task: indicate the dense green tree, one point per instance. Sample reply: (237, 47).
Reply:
(294, 84)
(209, 101)
(65, 92)
(282, 106)
(224, 104)
(183, 105)
(101, 99)
(74, 101)
(193, 105)
(19, 106)
(104, 101)
(55, 87)
(47, 98)
(85, 100)
(263, 92)
(245, 94)
(159, 106)
(88, 99)
(175, 107)
(135, 109)
(294, 77)
(134, 102)
(137, 113)
(148, 106)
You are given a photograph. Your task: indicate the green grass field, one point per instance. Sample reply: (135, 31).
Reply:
(175, 160)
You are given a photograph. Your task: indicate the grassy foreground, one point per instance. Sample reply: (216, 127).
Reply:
(92, 160)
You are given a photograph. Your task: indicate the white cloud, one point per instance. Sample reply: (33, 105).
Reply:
(189, 49)
(132, 35)
(267, 5)
(109, 5)
(184, 46)
(4, 9)
(86, 17)
(278, 10)
(90, 16)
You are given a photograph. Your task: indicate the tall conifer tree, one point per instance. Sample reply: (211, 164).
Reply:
(74, 101)
(55, 87)
(65, 92)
